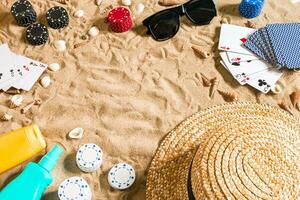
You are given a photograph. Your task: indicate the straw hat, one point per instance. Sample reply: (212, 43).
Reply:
(246, 151)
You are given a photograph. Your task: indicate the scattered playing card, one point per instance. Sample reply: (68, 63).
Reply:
(232, 37)
(237, 57)
(18, 71)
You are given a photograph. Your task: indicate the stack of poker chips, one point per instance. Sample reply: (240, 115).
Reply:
(89, 157)
(37, 34)
(74, 188)
(251, 8)
(23, 13)
(121, 176)
(119, 19)
(57, 17)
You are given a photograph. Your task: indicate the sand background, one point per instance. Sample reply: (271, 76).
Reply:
(126, 90)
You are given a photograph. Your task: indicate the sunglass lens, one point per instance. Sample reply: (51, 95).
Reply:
(201, 11)
(164, 25)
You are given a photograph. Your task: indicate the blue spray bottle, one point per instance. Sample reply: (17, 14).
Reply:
(34, 180)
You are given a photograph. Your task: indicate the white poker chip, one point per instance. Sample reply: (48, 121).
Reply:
(121, 176)
(89, 157)
(74, 188)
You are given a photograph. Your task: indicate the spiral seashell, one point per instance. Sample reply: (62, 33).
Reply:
(205, 81)
(200, 52)
(295, 99)
(94, 31)
(54, 67)
(79, 13)
(229, 96)
(285, 107)
(214, 85)
(45, 81)
(60, 45)
(16, 101)
(126, 2)
(13, 91)
(170, 2)
(76, 133)
(6, 117)
(27, 107)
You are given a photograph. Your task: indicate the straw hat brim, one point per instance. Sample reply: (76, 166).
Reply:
(169, 171)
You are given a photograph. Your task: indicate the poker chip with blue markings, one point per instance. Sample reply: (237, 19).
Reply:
(74, 188)
(57, 17)
(121, 176)
(251, 8)
(23, 13)
(89, 157)
(37, 34)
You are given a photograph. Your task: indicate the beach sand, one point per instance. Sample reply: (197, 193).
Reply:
(126, 90)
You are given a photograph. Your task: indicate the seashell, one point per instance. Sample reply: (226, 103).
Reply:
(13, 91)
(63, 1)
(224, 21)
(27, 107)
(205, 81)
(200, 52)
(60, 45)
(79, 13)
(170, 2)
(38, 101)
(94, 31)
(250, 24)
(84, 37)
(140, 8)
(76, 133)
(45, 81)
(229, 96)
(78, 45)
(6, 117)
(277, 89)
(99, 2)
(285, 107)
(54, 67)
(295, 99)
(214, 85)
(26, 122)
(16, 101)
(126, 2)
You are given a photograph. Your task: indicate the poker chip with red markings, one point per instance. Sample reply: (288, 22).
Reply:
(119, 19)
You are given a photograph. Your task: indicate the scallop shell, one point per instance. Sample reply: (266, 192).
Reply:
(170, 2)
(199, 51)
(94, 31)
(16, 101)
(76, 133)
(60, 45)
(98, 2)
(295, 99)
(229, 96)
(126, 2)
(6, 117)
(45, 81)
(54, 67)
(140, 8)
(79, 13)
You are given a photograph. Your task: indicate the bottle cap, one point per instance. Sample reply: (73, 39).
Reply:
(49, 161)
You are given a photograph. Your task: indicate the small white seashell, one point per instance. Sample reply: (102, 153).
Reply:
(79, 13)
(98, 2)
(45, 81)
(60, 45)
(6, 117)
(277, 89)
(16, 101)
(126, 2)
(54, 67)
(76, 133)
(94, 31)
(140, 8)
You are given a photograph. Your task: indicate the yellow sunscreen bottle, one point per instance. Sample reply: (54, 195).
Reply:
(20, 145)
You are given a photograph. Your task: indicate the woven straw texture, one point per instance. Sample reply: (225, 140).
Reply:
(246, 151)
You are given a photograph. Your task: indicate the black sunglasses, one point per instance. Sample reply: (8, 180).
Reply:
(165, 24)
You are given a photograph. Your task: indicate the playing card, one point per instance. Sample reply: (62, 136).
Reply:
(232, 37)
(265, 80)
(7, 70)
(237, 57)
(285, 41)
(241, 71)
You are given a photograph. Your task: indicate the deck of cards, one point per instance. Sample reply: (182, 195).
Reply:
(245, 66)
(277, 44)
(18, 71)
